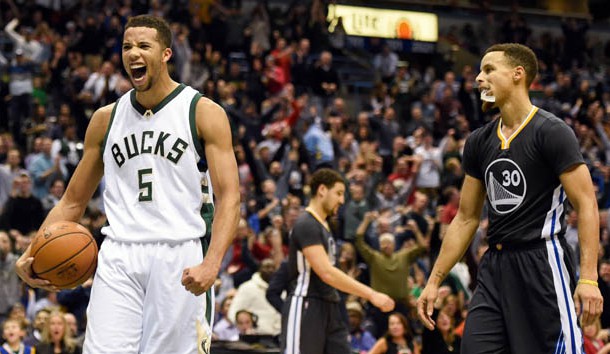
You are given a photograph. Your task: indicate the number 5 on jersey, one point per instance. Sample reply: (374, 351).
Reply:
(145, 183)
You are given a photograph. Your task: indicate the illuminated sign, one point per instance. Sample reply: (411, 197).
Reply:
(370, 22)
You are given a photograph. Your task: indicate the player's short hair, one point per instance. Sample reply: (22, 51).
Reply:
(164, 33)
(326, 177)
(517, 54)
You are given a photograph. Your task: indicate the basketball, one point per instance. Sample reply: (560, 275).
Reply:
(65, 253)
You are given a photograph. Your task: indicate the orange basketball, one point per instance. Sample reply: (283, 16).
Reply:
(65, 253)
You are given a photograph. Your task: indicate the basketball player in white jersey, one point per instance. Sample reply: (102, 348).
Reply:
(155, 261)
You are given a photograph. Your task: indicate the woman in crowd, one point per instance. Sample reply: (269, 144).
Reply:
(398, 339)
(56, 337)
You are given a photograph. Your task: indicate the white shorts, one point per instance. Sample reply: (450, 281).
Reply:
(138, 303)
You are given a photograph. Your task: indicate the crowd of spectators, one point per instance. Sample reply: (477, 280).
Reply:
(274, 72)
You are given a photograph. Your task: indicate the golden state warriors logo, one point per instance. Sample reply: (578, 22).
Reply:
(506, 186)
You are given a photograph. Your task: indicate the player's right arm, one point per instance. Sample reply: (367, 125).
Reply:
(577, 183)
(459, 235)
(318, 259)
(72, 205)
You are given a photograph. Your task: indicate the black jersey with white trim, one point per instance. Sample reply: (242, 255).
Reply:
(521, 175)
(308, 231)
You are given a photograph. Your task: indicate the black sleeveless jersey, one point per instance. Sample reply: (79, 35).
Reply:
(521, 175)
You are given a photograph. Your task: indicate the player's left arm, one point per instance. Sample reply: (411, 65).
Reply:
(578, 185)
(213, 126)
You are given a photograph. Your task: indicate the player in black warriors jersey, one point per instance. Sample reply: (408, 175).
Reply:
(527, 163)
(311, 321)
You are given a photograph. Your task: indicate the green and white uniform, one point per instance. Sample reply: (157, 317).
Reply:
(157, 203)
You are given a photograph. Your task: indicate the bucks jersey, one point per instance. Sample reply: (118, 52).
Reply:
(153, 183)
(521, 175)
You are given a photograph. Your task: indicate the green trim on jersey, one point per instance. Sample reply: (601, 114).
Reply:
(208, 304)
(207, 210)
(142, 110)
(103, 145)
(193, 124)
(207, 207)
(208, 294)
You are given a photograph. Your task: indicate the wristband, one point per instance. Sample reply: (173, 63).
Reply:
(588, 282)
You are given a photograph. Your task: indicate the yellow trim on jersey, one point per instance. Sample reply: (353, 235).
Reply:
(315, 216)
(506, 142)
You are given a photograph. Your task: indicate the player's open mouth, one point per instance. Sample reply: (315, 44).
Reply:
(138, 73)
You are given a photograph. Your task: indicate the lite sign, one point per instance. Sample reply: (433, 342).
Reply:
(371, 22)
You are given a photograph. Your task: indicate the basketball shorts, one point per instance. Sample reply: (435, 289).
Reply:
(138, 303)
(523, 301)
(313, 326)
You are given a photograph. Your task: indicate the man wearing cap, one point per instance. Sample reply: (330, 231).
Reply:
(361, 340)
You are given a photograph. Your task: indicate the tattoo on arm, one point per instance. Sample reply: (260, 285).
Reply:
(440, 274)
